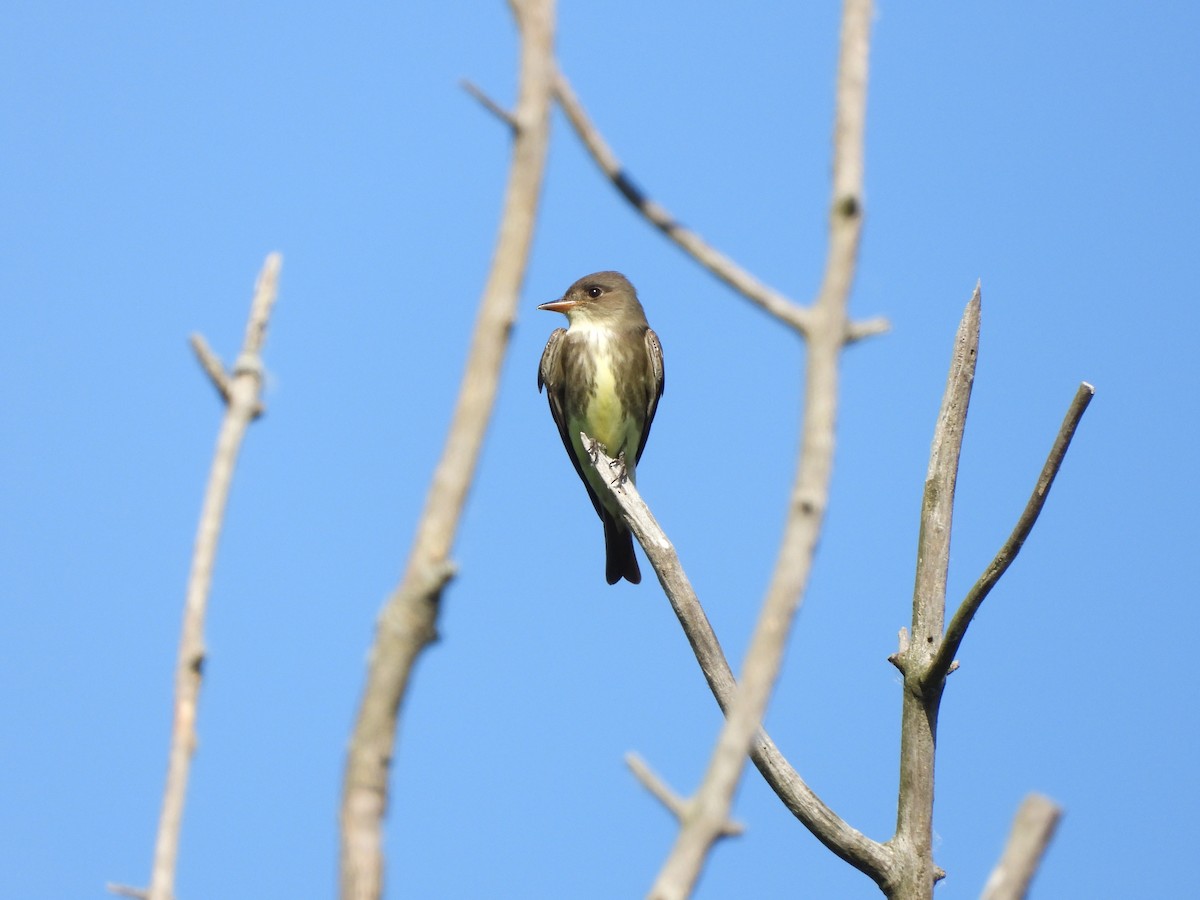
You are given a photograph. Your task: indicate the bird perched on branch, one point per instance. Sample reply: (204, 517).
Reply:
(603, 376)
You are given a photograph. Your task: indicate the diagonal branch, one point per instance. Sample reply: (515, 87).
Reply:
(489, 104)
(961, 620)
(849, 844)
(1033, 828)
(720, 265)
(826, 333)
(765, 297)
(241, 390)
(211, 364)
(408, 621)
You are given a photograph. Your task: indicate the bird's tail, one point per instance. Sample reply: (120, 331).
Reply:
(620, 560)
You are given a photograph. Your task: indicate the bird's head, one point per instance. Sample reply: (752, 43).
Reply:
(597, 298)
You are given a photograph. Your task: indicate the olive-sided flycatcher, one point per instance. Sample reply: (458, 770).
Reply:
(603, 375)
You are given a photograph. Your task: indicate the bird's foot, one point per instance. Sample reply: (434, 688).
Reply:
(593, 447)
(622, 470)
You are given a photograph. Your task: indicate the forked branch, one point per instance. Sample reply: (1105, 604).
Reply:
(241, 392)
(927, 656)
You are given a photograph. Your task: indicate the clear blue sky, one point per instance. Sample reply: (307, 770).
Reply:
(152, 155)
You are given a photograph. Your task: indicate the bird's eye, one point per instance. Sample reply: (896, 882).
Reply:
(594, 292)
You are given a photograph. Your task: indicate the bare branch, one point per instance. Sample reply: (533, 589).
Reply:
(826, 331)
(858, 331)
(849, 844)
(913, 839)
(124, 890)
(242, 397)
(648, 779)
(1033, 828)
(942, 663)
(489, 104)
(211, 364)
(937, 508)
(408, 621)
(676, 805)
(767, 298)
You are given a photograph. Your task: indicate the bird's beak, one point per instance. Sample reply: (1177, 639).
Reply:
(560, 305)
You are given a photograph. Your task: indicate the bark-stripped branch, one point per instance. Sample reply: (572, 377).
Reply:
(927, 656)
(764, 296)
(826, 325)
(408, 621)
(489, 104)
(1033, 828)
(957, 629)
(937, 508)
(661, 791)
(849, 844)
(913, 839)
(241, 391)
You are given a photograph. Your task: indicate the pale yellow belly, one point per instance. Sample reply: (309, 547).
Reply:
(604, 422)
(605, 416)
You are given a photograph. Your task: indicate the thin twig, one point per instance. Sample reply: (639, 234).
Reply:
(772, 301)
(849, 844)
(650, 780)
(242, 391)
(676, 805)
(408, 621)
(488, 103)
(124, 890)
(212, 365)
(826, 330)
(957, 629)
(1033, 829)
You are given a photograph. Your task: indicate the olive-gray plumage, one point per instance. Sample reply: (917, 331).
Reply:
(603, 375)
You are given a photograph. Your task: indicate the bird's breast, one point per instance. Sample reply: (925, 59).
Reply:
(604, 415)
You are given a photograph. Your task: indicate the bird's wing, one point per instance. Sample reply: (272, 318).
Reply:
(549, 367)
(550, 375)
(654, 358)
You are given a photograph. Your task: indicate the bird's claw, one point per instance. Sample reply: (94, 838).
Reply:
(621, 469)
(593, 447)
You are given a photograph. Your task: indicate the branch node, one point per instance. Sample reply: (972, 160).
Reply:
(248, 364)
(898, 658)
(676, 805)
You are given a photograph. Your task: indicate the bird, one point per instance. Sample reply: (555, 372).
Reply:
(603, 375)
